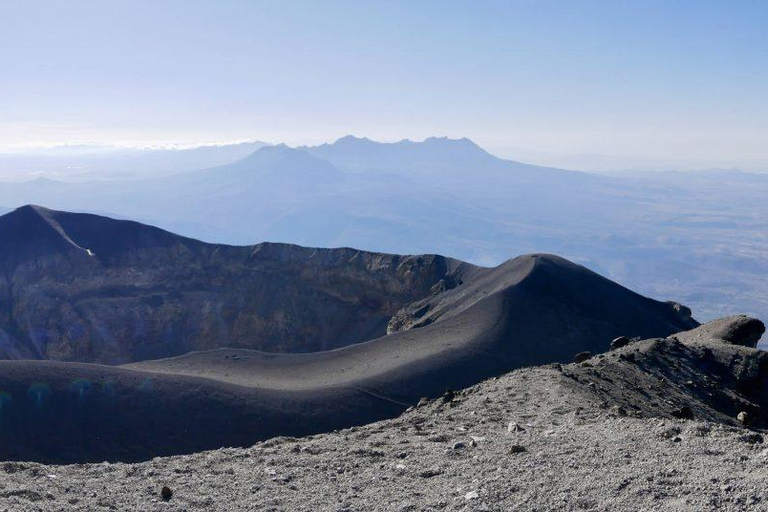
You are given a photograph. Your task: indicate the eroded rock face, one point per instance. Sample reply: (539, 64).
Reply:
(735, 330)
(86, 288)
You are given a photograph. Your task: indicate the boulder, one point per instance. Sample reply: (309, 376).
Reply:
(733, 330)
(582, 356)
(621, 341)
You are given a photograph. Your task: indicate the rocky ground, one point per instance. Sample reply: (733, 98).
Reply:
(651, 426)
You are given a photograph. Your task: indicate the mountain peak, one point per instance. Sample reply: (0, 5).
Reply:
(30, 209)
(284, 162)
(277, 152)
(444, 142)
(433, 155)
(351, 139)
(31, 231)
(447, 141)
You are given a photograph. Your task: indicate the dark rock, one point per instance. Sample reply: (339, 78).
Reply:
(448, 396)
(166, 493)
(743, 331)
(582, 356)
(516, 448)
(683, 312)
(683, 413)
(621, 341)
(752, 438)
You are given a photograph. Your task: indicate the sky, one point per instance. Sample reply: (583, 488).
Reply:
(622, 82)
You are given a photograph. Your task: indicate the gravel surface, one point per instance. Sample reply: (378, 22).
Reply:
(592, 436)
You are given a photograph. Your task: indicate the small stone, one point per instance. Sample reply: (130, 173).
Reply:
(743, 417)
(582, 356)
(515, 427)
(459, 446)
(471, 495)
(166, 493)
(670, 433)
(516, 448)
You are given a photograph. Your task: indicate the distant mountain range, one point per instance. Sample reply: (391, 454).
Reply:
(89, 162)
(699, 238)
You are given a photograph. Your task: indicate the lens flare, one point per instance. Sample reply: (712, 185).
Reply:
(108, 389)
(80, 387)
(38, 392)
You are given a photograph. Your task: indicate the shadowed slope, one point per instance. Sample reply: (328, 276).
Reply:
(32, 231)
(36, 232)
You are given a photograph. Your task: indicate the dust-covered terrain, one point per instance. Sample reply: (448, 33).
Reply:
(662, 424)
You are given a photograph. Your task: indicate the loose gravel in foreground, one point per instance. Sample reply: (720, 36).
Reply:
(535, 439)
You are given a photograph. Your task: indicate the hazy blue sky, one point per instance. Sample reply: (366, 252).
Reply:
(665, 79)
